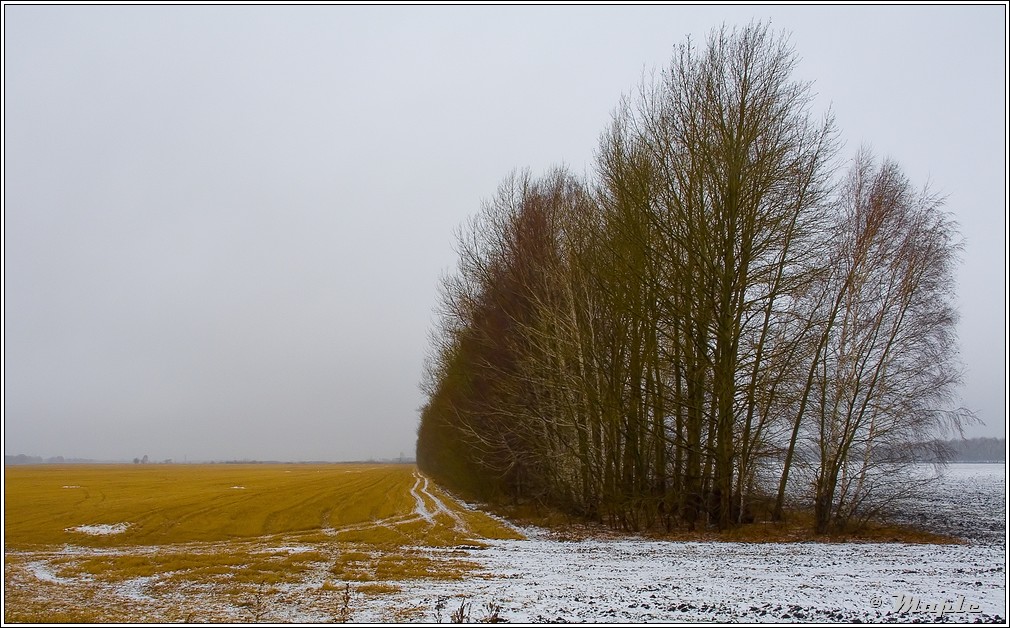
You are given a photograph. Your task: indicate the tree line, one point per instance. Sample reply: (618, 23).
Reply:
(986, 450)
(720, 318)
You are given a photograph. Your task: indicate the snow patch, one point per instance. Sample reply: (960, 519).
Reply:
(101, 529)
(40, 569)
(420, 491)
(289, 549)
(420, 508)
(135, 588)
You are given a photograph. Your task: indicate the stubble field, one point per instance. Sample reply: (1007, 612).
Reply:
(365, 543)
(226, 543)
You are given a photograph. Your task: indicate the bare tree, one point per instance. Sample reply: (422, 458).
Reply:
(711, 312)
(887, 372)
(737, 179)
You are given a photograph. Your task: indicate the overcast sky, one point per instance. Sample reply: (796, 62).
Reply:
(224, 227)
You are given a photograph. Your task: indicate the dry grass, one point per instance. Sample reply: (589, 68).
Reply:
(231, 540)
(413, 565)
(184, 503)
(45, 616)
(173, 504)
(797, 528)
(377, 588)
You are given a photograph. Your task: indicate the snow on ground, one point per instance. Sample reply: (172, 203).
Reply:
(420, 507)
(968, 501)
(422, 510)
(637, 580)
(101, 528)
(640, 580)
(41, 570)
(645, 581)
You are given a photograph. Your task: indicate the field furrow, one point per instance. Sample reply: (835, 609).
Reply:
(224, 538)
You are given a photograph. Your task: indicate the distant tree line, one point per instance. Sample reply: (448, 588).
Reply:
(964, 450)
(26, 459)
(977, 450)
(718, 315)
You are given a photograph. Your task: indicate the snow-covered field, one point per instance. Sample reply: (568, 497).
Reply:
(646, 581)
(541, 579)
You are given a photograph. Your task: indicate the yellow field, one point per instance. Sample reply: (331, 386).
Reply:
(225, 543)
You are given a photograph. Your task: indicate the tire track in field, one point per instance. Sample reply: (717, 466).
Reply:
(390, 522)
(420, 491)
(421, 508)
(422, 494)
(386, 522)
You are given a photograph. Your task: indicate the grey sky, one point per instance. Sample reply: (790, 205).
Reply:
(224, 226)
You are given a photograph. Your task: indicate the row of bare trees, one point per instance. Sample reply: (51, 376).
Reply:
(713, 321)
